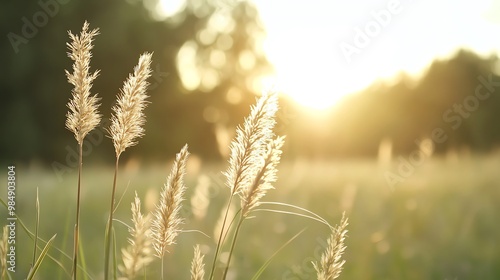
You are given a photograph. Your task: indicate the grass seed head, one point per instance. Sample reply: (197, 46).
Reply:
(250, 143)
(197, 265)
(128, 117)
(139, 252)
(83, 115)
(167, 221)
(331, 262)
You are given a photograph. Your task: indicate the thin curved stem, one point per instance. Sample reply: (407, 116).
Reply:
(110, 222)
(317, 217)
(232, 246)
(219, 242)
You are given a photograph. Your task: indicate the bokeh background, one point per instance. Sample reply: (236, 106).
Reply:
(390, 109)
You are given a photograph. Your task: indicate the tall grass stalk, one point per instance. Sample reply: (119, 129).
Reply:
(167, 221)
(197, 265)
(138, 254)
(254, 155)
(248, 144)
(126, 126)
(265, 175)
(83, 116)
(331, 262)
(37, 224)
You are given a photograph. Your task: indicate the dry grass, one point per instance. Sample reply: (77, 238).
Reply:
(139, 253)
(254, 155)
(166, 222)
(197, 265)
(83, 116)
(264, 178)
(126, 127)
(250, 143)
(331, 263)
(246, 160)
(128, 117)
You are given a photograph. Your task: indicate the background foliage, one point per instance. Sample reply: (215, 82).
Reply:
(35, 90)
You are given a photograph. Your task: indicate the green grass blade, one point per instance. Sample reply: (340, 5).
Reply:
(81, 254)
(37, 224)
(312, 215)
(290, 213)
(38, 262)
(266, 264)
(32, 235)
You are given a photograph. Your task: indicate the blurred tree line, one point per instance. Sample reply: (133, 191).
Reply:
(455, 104)
(35, 90)
(207, 60)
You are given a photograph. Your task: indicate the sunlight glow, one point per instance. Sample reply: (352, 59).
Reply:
(323, 50)
(167, 8)
(303, 41)
(305, 72)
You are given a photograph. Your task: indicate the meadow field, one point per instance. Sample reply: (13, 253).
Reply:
(442, 222)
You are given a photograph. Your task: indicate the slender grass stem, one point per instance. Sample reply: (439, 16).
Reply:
(37, 206)
(313, 215)
(110, 223)
(162, 268)
(220, 238)
(242, 218)
(77, 225)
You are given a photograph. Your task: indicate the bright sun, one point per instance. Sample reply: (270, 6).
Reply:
(312, 76)
(305, 73)
(303, 41)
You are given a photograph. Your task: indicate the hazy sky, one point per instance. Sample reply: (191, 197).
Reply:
(323, 49)
(335, 47)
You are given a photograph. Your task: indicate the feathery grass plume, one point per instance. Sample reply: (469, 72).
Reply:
(197, 265)
(264, 177)
(166, 222)
(139, 253)
(264, 168)
(250, 142)
(126, 126)
(331, 264)
(247, 147)
(128, 117)
(3, 251)
(83, 115)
